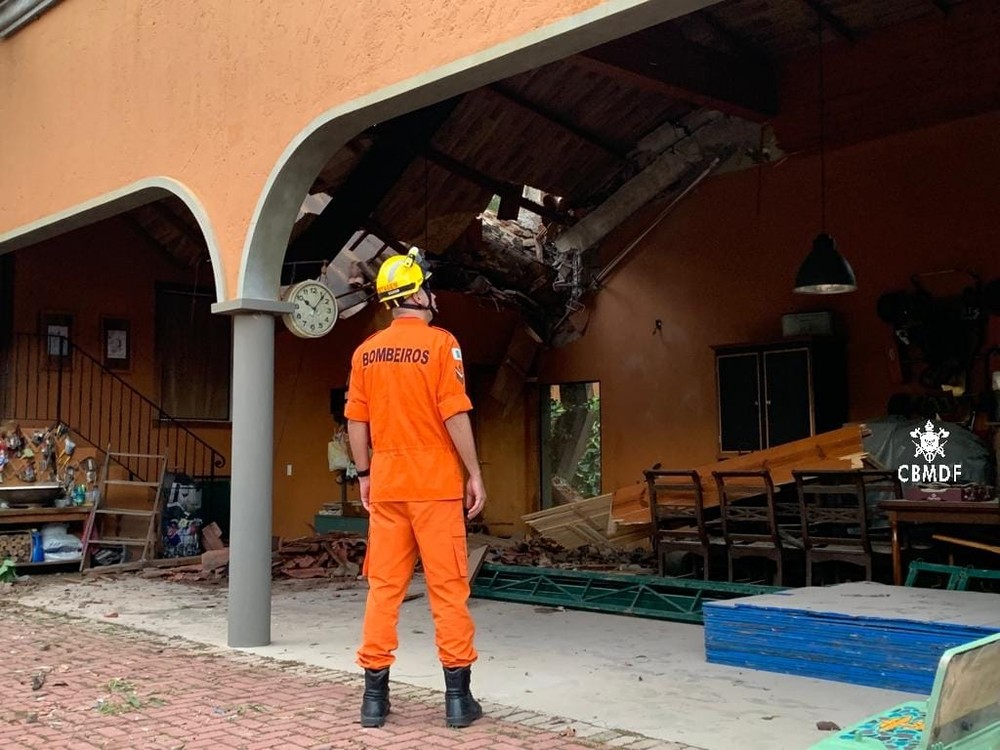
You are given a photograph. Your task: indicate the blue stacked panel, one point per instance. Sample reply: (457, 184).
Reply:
(863, 634)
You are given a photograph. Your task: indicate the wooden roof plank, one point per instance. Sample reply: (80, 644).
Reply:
(399, 142)
(832, 20)
(661, 58)
(556, 118)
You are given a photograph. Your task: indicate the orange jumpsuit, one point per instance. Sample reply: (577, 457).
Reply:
(405, 382)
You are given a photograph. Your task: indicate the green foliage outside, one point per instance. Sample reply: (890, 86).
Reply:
(587, 479)
(7, 572)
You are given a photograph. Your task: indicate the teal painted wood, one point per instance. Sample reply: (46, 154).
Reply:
(324, 524)
(955, 717)
(677, 599)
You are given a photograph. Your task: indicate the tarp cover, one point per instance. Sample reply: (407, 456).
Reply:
(896, 442)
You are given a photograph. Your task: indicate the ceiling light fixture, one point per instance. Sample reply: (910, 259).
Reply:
(825, 270)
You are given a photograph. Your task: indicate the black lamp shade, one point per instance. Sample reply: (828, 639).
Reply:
(825, 271)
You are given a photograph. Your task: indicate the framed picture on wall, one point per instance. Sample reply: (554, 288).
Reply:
(57, 328)
(116, 343)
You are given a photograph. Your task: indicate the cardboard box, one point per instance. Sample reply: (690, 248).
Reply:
(948, 493)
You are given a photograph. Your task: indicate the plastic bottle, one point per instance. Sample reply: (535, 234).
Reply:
(37, 550)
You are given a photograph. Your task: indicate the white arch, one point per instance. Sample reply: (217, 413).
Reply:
(303, 158)
(113, 203)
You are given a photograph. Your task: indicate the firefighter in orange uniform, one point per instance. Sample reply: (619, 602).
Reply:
(407, 401)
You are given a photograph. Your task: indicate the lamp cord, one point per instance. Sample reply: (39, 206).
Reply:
(426, 201)
(822, 130)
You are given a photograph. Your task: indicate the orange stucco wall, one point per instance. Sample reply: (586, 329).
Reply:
(96, 95)
(716, 271)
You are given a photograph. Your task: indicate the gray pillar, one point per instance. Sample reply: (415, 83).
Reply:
(252, 476)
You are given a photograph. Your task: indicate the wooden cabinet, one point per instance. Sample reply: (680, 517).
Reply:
(777, 392)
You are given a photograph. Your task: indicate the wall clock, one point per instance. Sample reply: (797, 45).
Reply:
(315, 310)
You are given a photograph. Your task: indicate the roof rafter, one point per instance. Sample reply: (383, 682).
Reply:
(734, 40)
(473, 175)
(398, 143)
(136, 226)
(555, 118)
(835, 22)
(661, 59)
(170, 216)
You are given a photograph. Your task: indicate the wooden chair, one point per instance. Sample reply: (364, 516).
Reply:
(677, 510)
(750, 519)
(836, 508)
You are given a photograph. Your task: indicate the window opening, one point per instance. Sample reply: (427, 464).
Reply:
(570, 442)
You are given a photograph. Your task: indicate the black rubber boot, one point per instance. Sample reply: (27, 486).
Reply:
(375, 702)
(460, 708)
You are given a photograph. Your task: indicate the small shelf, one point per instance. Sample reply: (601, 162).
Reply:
(10, 516)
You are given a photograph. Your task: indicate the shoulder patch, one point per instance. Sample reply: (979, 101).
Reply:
(456, 354)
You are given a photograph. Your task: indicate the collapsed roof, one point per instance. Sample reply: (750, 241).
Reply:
(512, 186)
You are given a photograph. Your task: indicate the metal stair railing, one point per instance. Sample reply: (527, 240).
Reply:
(50, 379)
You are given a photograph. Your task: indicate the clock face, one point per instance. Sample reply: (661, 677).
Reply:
(315, 309)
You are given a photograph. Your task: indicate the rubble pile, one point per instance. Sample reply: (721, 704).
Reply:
(331, 555)
(334, 555)
(542, 552)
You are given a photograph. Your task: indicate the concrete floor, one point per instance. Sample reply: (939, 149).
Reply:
(625, 673)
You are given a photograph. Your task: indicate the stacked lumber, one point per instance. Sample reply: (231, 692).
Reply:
(859, 633)
(584, 522)
(629, 513)
(837, 449)
(331, 555)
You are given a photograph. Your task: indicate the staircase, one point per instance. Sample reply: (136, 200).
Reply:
(99, 406)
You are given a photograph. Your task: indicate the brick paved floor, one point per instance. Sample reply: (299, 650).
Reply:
(67, 684)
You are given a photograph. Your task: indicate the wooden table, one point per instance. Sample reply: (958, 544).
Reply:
(929, 511)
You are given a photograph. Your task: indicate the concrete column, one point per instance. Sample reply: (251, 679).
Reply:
(252, 476)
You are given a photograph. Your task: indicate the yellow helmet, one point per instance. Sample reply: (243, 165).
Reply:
(401, 276)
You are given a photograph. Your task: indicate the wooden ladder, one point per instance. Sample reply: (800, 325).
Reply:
(102, 508)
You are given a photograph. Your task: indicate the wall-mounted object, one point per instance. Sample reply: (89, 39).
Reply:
(58, 331)
(807, 324)
(116, 343)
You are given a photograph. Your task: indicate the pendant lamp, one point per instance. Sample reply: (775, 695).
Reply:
(825, 270)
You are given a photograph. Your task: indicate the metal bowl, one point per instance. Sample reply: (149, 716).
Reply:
(40, 494)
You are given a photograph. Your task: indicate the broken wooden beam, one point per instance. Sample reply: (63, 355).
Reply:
(837, 449)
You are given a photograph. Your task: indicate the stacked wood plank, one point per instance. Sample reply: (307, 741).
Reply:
(584, 522)
(837, 449)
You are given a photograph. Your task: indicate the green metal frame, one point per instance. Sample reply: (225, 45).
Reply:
(677, 599)
(958, 577)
